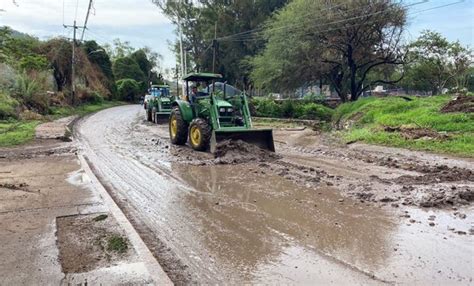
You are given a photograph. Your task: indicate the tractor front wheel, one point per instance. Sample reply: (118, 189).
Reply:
(178, 127)
(199, 134)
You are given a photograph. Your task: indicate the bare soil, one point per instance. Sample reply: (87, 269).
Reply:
(416, 133)
(85, 242)
(462, 103)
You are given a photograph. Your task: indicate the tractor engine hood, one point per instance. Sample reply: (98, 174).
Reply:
(222, 103)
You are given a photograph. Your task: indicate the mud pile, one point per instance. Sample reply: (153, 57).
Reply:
(416, 133)
(451, 197)
(238, 151)
(460, 104)
(438, 174)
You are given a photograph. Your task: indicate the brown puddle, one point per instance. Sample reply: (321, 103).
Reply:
(268, 229)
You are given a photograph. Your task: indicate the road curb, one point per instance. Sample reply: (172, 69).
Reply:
(155, 270)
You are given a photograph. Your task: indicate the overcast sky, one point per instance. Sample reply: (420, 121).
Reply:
(141, 23)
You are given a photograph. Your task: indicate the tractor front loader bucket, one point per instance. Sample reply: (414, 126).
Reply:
(262, 138)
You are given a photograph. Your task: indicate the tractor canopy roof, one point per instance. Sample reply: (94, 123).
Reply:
(160, 86)
(227, 88)
(202, 76)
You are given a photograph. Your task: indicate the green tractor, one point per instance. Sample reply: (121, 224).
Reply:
(214, 112)
(158, 107)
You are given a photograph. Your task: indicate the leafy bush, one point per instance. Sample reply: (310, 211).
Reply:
(128, 89)
(313, 97)
(95, 98)
(87, 95)
(33, 62)
(315, 111)
(8, 106)
(288, 109)
(267, 107)
(29, 91)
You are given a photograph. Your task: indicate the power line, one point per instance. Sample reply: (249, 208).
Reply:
(263, 26)
(298, 25)
(260, 37)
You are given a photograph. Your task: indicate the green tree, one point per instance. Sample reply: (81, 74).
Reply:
(128, 89)
(127, 67)
(98, 56)
(340, 41)
(435, 63)
(119, 49)
(201, 19)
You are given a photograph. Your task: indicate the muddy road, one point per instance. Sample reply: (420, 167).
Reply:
(319, 212)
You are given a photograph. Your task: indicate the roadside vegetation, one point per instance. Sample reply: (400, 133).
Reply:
(36, 83)
(20, 131)
(418, 123)
(293, 109)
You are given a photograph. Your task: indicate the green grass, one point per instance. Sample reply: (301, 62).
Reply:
(58, 112)
(369, 115)
(117, 243)
(16, 132)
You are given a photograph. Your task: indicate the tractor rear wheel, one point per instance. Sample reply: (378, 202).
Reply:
(148, 115)
(199, 134)
(178, 127)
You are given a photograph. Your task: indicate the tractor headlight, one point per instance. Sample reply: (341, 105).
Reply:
(230, 110)
(222, 110)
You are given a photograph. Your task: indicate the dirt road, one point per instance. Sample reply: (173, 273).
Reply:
(321, 213)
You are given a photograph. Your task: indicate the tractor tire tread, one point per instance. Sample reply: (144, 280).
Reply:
(206, 133)
(182, 133)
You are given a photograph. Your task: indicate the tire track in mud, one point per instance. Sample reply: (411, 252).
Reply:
(138, 189)
(179, 211)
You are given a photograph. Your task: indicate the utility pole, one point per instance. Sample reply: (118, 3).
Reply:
(177, 81)
(73, 61)
(214, 45)
(181, 44)
(87, 18)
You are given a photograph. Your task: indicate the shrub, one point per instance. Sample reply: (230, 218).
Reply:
(288, 108)
(87, 95)
(29, 91)
(96, 98)
(313, 97)
(8, 106)
(128, 89)
(267, 107)
(33, 62)
(315, 111)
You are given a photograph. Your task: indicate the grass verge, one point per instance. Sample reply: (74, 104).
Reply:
(369, 117)
(17, 132)
(117, 243)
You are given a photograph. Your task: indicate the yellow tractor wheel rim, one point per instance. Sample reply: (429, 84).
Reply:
(174, 126)
(195, 136)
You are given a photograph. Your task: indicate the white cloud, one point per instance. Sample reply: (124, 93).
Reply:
(119, 13)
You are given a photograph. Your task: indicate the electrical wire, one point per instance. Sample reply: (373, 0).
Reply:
(261, 38)
(330, 23)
